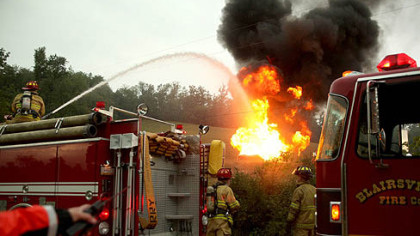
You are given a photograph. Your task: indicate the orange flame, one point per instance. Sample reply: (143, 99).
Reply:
(289, 117)
(297, 92)
(263, 81)
(301, 139)
(263, 137)
(309, 105)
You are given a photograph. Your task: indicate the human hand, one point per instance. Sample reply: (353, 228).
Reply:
(8, 117)
(78, 214)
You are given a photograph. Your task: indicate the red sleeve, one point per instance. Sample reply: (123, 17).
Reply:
(23, 220)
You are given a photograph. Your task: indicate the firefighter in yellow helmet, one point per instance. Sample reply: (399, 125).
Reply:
(301, 215)
(28, 106)
(220, 224)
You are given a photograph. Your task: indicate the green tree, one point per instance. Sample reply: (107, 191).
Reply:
(3, 60)
(195, 102)
(57, 67)
(126, 98)
(6, 72)
(174, 105)
(12, 79)
(168, 98)
(41, 64)
(146, 94)
(219, 108)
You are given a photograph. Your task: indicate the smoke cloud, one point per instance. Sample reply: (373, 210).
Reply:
(310, 50)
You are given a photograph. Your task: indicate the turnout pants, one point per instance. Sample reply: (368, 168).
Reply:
(218, 227)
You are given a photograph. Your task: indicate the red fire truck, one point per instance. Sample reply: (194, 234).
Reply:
(367, 176)
(155, 182)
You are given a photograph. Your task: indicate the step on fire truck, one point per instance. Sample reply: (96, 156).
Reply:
(155, 183)
(367, 168)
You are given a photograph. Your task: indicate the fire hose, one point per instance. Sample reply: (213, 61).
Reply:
(151, 221)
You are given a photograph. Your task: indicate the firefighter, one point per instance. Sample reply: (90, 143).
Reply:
(28, 106)
(301, 215)
(42, 220)
(220, 224)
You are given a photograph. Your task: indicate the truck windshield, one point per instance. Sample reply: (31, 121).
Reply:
(333, 128)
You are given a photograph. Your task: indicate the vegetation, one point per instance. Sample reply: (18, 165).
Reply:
(414, 139)
(264, 195)
(59, 84)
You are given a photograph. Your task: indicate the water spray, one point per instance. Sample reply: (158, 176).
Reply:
(212, 61)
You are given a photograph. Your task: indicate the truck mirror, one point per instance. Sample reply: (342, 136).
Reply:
(203, 129)
(382, 140)
(373, 121)
(142, 109)
(372, 112)
(373, 109)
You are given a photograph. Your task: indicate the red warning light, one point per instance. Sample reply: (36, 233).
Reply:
(104, 215)
(396, 61)
(179, 129)
(100, 104)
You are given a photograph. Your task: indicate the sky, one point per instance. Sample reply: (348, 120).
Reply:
(158, 41)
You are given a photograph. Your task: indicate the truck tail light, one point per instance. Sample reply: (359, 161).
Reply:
(335, 212)
(396, 61)
(104, 215)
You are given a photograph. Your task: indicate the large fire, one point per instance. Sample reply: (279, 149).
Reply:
(263, 137)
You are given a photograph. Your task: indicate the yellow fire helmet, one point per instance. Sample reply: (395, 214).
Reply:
(303, 171)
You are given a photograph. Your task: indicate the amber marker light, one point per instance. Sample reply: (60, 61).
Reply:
(335, 212)
(351, 72)
(347, 72)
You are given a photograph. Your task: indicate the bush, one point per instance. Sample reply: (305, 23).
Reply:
(264, 196)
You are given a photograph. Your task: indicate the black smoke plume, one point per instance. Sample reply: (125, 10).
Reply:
(310, 50)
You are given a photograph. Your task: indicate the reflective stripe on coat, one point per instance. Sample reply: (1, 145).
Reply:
(221, 223)
(302, 207)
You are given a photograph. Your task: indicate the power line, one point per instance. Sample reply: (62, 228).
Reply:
(398, 9)
(253, 43)
(256, 23)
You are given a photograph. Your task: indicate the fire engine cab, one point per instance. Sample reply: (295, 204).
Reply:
(368, 159)
(150, 183)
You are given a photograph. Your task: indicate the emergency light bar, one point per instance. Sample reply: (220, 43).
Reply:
(396, 61)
